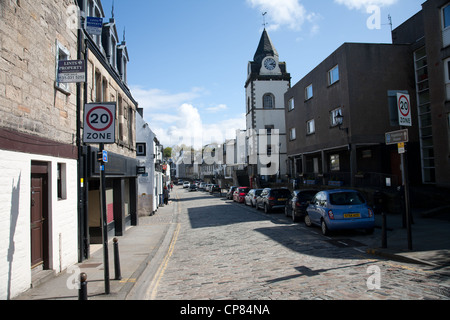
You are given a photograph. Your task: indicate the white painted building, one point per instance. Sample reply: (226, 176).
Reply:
(266, 84)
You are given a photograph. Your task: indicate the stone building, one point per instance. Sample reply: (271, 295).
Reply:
(38, 143)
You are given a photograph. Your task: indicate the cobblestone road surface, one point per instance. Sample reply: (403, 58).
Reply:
(225, 250)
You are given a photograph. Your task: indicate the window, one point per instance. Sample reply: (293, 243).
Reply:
(292, 134)
(334, 163)
(309, 92)
(61, 181)
(446, 17)
(333, 120)
(269, 129)
(310, 127)
(268, 101)
(446, 25)
(291, 105)
(333, 75)
(141, 149)
(61, 54)
(447, 77)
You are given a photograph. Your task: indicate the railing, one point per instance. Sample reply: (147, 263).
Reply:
(341, 179)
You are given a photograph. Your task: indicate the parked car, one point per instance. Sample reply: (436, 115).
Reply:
(231, 192)
(180, 182)
(186, 184)
(215, 188)
(338, 210)
(193, 187)
(240, 193)
(202, 186)
(297, 204)
(270, 199)
(252, 195)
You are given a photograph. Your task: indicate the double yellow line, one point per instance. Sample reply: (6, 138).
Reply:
(153, 289)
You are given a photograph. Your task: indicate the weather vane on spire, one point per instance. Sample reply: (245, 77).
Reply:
(264, 20)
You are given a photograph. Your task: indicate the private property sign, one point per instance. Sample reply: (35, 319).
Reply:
(99, 123)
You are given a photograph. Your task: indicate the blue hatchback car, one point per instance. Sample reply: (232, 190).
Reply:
(340, 210)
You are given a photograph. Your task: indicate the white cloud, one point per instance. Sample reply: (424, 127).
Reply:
(156, 99)
(175, 120)
(220, 107)
(364, 4)
(290, 13)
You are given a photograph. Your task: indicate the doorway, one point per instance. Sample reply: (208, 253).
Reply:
(39, 216)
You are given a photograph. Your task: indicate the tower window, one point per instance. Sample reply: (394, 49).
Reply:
(268, 101)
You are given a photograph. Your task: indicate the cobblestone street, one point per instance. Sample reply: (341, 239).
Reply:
(225, 250)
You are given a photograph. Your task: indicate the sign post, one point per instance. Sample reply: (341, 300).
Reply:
(99, 127)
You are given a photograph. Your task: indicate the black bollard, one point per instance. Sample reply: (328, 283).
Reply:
(82, 292)
(118, 276)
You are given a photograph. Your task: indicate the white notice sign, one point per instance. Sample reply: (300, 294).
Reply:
(404, 109)
(99, 123)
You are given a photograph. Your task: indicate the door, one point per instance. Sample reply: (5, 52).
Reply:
(38, 216)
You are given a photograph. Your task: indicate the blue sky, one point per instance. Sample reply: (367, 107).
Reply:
(188, 58)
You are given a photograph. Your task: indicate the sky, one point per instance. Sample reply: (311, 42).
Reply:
(188, 58)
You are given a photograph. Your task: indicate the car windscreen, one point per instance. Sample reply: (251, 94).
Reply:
(306, 196)
(280, 193)
(346, 198)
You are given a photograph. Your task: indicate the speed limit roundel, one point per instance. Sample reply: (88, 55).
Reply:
(99, 123)
(403, 105)
(404, 109)
(99, 119)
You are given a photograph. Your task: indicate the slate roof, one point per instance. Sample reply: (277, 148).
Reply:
(265, 48)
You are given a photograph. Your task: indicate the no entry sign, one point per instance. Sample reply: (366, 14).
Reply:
(404, 109)
(99, 123)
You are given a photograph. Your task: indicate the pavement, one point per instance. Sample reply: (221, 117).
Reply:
(143, 246)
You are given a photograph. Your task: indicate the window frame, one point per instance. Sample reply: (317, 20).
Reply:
(308, 127)
(331, 79)
(61, 50)
(272, 97)
(291, 104)
(333, 115)
(307, 96)
(292, 134)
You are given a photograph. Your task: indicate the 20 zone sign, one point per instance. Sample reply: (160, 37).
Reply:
(99, 123)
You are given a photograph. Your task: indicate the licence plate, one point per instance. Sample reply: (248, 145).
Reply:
(282, 199)
(352, 215)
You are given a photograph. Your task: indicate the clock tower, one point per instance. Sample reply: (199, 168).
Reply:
(267, 82)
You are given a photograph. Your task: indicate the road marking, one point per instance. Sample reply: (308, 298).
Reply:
(153, 289)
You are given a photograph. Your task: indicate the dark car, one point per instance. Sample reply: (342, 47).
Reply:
(215, 188)
(275, 198)
(296, 206)
(231, 192)
(192, 187)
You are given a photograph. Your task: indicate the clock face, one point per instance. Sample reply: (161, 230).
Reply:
(270, 64)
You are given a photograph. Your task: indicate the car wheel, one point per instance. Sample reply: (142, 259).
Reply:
(266, 208)
(286, 211)
(308, 222)
(325, 230)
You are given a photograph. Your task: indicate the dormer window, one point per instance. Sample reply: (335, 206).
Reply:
(112, 57)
